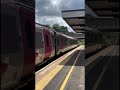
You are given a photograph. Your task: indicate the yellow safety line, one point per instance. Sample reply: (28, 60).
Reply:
(42, 83)
(69, 73)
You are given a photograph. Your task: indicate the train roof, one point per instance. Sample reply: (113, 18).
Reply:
(52, 30)
(44, 27)
(66, 36)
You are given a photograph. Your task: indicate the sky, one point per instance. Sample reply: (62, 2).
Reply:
(49, 11)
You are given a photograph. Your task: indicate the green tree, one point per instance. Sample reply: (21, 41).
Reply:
(71, 33)
(59, 28)
(111, 38)
(64, 29)
(56, 27)
(48, 26)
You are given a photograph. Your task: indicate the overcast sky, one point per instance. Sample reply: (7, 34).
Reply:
(49, 11)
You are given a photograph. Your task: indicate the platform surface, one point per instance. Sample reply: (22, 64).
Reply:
(104, 66)
(65, 73)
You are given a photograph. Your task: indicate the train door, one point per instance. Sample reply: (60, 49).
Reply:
(28, 31)
(39, 45)
(12, 51)
(53, 44)
(47, 43)
(55, 38)
(57, 43)
(61, 43)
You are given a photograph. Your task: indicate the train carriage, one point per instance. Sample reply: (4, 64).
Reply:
(64, 43)
(17, 47)
(19, 55)
(93, 41)
(52, 43)
(39, 44)
(44, 43)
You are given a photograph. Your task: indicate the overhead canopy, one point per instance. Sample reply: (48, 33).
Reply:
(75, 19)
(104, 8)
(106, 15)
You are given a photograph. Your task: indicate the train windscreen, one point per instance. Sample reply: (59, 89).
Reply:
(9, 33)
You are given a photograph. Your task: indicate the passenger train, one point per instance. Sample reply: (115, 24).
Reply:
(19, 52)
(17, 43)
(93, 41)
(23, 46)
(49, 43)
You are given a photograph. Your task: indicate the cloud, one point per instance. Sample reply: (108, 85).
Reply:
(54, 20)
(54, 7)
(49, 11)
(47, 8)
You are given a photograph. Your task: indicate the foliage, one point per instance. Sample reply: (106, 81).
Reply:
(71, 33)
(81, 41)
(59, 28)
(111, 38)
(48, 26)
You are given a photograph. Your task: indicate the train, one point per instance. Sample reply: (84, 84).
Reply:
(17, 43)
(25, 44)
(93, 41)
(49, 43)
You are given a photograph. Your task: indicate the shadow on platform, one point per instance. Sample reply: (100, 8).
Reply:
(80, 59)
(110, 79)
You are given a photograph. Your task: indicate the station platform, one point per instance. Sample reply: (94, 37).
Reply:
(102, 70)
(65, 73)
(110, 79)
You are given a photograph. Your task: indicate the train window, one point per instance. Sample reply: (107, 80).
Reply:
(58, 40)
(29, 34)
(9, 32)
(38, 40)
(63, 42)
(47, 41)
(68, 41)
(53, 41)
